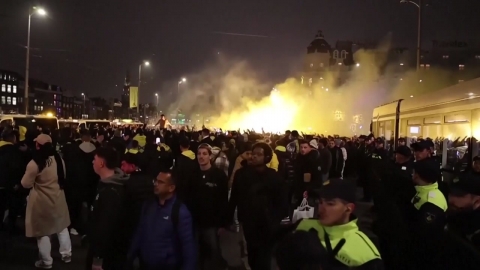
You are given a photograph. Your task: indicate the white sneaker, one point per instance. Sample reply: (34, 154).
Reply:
(66, 259)
(73, 231)
(40, 264)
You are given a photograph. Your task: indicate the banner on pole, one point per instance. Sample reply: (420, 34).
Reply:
(133, 96)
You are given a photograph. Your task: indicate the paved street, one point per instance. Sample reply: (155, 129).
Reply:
(24, 253)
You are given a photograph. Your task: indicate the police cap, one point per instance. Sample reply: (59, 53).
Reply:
(420, 146)
(403, 150)
(467, 184)
(339, 189)
(428, 169)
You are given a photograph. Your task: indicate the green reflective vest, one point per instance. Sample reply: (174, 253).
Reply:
(358, 248)
(431, 194)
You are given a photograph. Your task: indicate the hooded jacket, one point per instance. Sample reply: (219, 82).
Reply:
(106, 217)
(220, 159)
(81, 178)
(185, 167)
(11, 164)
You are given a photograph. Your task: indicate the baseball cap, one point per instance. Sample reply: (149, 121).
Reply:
(428, 169)
(43, 139)
(466, 184)
(403, 150)
(339, 189)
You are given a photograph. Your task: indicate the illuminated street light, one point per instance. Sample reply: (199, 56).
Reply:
(183, 80)
(41, 12)
(358, 64)
(146, 63)
(83, 103)
(411, 96)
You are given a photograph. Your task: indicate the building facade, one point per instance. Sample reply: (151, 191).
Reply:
(125, 98)
(11, 96)
(44, 98)
(327, 65)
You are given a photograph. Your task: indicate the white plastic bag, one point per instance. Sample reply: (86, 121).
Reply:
(304, 211)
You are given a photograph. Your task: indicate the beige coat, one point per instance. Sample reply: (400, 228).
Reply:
(47, 211)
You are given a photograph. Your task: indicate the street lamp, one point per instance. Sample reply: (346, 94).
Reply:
(156, 105)
(183, 80)
(83, 104)
(419, 31)
(41, 12)
(146, 63)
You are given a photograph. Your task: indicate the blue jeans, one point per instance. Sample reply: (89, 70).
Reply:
(210, 253)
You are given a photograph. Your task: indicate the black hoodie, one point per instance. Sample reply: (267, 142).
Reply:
(11, 164)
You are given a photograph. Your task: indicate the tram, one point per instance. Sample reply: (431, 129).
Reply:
(448, 113)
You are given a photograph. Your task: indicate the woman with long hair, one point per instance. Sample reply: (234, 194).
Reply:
(47, 211)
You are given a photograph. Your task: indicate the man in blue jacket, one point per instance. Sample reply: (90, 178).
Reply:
(164, 238)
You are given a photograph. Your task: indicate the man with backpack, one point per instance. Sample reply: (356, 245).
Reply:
(164, 238)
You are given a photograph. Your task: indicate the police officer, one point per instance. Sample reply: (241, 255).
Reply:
(429, 201)
(403, 161)
(464, 208)
(338, 230)
(379, 152)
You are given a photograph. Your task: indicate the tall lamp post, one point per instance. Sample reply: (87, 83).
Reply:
(183, 80)
(146, 63)
(42, 12)
(419, 5)
(83, 113)
(156, 104)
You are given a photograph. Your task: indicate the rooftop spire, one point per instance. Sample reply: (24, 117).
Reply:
(319, 35)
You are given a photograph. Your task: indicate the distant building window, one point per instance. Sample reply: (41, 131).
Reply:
(335, 54)
(422, 66)
(445, 56)
(311, 65)
(54, 96)
(427, 66)
(9, 100)
(3, 87)
(35, 101)
(14, 89)
(9, 88)
(3, 99)
(477, 57)
(343, 54)
(461, 67)
(14, 101)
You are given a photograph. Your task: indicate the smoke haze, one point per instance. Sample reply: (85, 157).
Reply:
(231, 95)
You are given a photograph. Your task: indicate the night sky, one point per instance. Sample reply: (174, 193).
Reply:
(87, 45)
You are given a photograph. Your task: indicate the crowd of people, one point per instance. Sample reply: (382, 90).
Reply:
(156, 198)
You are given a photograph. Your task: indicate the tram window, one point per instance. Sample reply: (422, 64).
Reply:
(457, 118)
(433, 120)
(414, 130)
